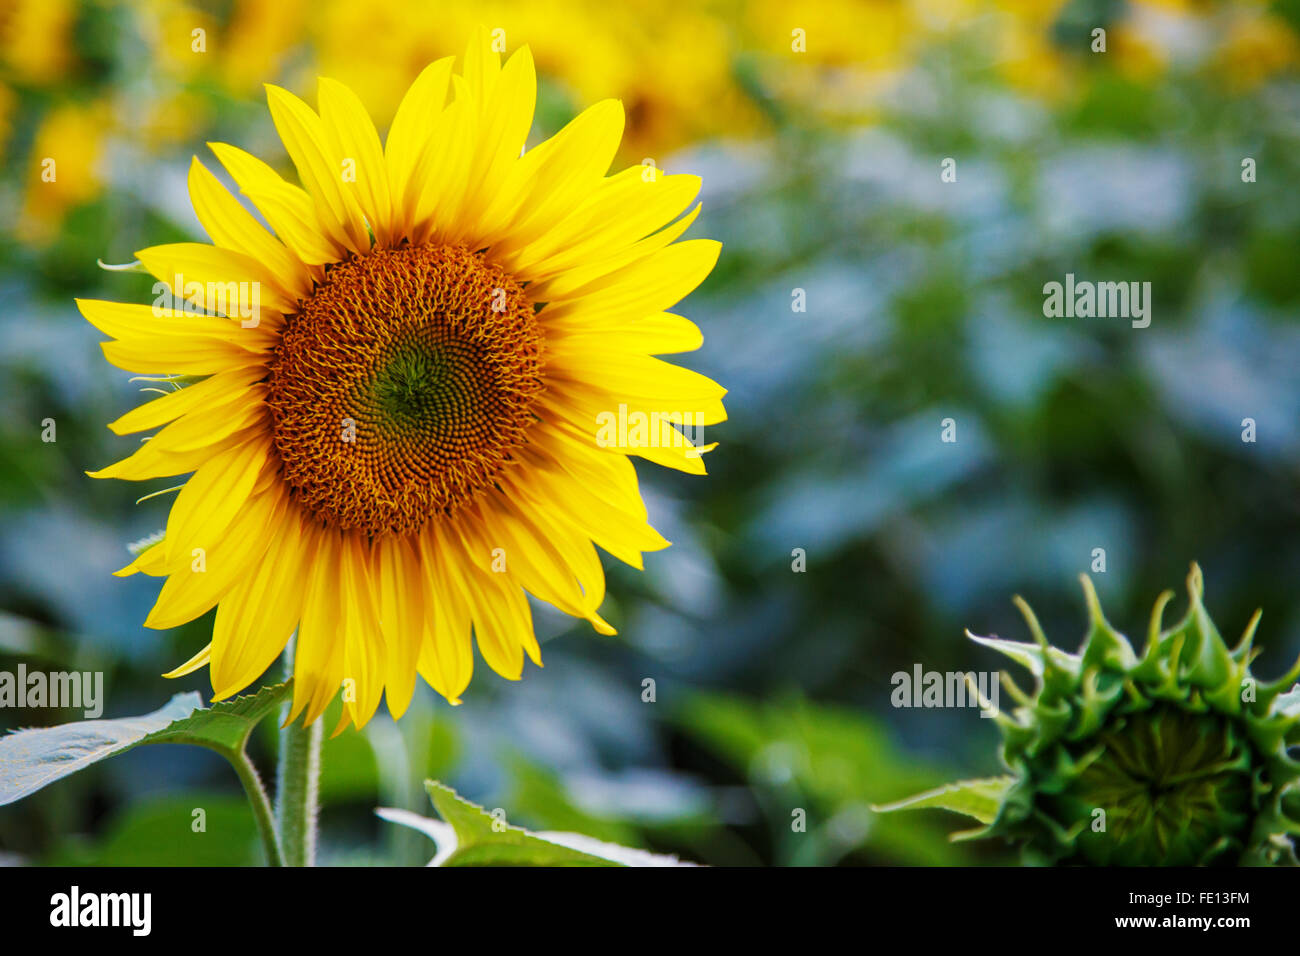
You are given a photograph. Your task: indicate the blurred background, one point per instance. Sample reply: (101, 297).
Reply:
(821, 128)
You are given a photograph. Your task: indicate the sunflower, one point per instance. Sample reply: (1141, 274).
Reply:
(400, 441)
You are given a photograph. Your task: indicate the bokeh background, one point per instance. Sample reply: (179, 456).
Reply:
(924, 302)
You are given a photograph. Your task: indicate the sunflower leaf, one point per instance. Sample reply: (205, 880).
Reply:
(975, 798)
(34, 758)
(470, 836)
(224, 726)
(485, 839)
(31, 759)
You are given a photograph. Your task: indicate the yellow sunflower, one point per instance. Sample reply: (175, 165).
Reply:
(393, 402)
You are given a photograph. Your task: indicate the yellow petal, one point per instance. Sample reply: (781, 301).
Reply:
(547, 183)
(648, 285)
(211, 498)
(561, 486)
(365, 653)
(540, 554)
(504, 121)
(318, 651)
(443, 172)
(231, 226)
(173, 405)
(446, 654)
(157, 462)
(321, 174)
(287, 208)
(503, 624)
(193, 664)
(400, 583)
(256, 619)
(585, 279)
(660, 334)
(599, 382)
(138, 324)
(204, 427)
(625, 209)
(409, 138)
(194, 588)
(229, 283)
(351, 133)
(178, 355)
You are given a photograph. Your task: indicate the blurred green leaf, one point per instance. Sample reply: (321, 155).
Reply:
(975, 798)
(543, 794)
(169, 831)
(484, 840)
(840, 761)
(470, 836)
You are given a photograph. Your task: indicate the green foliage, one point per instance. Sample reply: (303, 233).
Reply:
(162, 832)
(543, 795)
(832, 762)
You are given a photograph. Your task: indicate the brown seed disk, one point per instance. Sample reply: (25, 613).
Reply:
(400, 390)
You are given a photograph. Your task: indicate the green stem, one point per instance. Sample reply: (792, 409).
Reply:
(261, 806)
(296, 792)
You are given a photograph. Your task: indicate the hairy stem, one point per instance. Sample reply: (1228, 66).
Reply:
(261, 806)
(297, 783)
(296, 791)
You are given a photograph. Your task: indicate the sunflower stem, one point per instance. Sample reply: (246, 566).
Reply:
(297, 782)
(261, 806)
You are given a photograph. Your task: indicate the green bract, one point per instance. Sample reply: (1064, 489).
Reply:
(1175, 757)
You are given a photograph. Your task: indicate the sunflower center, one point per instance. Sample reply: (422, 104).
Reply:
(402, 387)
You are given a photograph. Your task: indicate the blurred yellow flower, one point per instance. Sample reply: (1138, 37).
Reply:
(64, 168)
(673, 69)
(1028, 60)
(1255, 48)
(260, 35)
(827, 58)
(182, 38)
(36, 39)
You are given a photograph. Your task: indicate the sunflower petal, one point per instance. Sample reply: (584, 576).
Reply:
(352, 134)
(233, 227)
(304, 138)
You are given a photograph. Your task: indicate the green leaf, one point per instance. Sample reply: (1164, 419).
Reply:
(482, 840)
(224, 726)
(34, 758)
(975, 798)
(470, 836)
(166, 831)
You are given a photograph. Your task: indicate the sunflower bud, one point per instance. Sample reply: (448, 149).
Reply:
(1175, 757)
